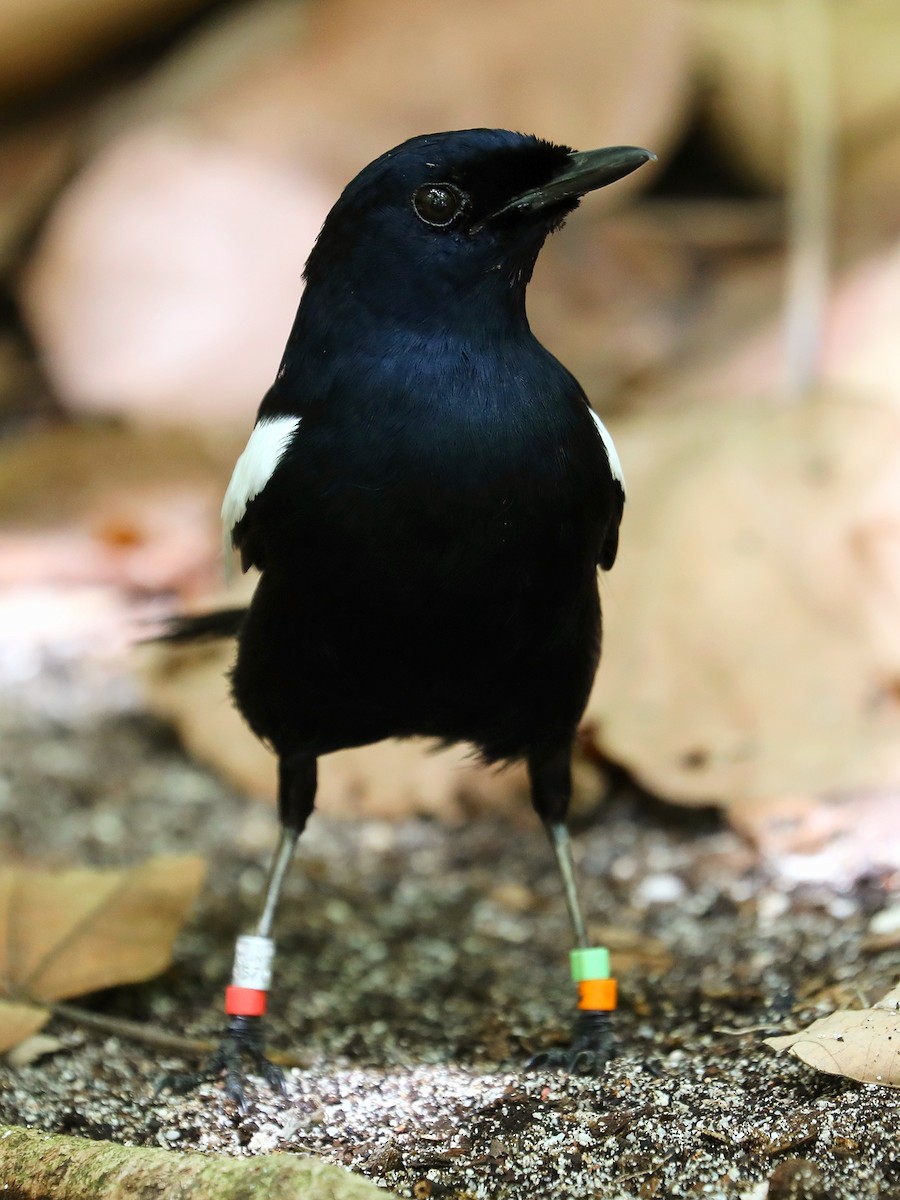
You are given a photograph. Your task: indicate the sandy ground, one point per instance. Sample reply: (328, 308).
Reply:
(419, 967)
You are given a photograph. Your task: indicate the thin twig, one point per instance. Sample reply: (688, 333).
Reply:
(161, 1039)
(134, 1030)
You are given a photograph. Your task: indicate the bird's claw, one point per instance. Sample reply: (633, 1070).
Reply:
(591, 1048)
(243, 1040)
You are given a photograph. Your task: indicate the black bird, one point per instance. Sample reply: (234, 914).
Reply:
(428, 496)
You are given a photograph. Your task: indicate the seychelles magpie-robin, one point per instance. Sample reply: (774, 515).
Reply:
(428, 497)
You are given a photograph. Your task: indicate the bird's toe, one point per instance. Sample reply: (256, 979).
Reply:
(590, 1050)
(242, 1043)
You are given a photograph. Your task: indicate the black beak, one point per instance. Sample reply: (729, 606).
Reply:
(582, 172)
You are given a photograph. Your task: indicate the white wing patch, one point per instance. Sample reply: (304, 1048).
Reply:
(614, 465)
(253, 470)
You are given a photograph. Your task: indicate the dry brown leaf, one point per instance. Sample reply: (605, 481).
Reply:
(861, 1044)
(751, 642)
(33, 1049)
(69, 932)
(103, 506)
(363, 79)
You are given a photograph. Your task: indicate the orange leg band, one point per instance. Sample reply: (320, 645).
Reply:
(597, 995)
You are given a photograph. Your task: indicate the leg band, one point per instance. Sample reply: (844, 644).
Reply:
(250, 976)
(597, 995)
(253, 962)
(245, 1002)
(590, 970)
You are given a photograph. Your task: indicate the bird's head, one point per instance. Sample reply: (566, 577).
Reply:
(447, 219)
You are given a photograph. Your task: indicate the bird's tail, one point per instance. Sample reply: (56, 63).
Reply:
(224, 623)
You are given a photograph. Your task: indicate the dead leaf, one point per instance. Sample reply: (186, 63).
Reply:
(751, 646)
(98, 522)
(861, 1044)
(70, 932)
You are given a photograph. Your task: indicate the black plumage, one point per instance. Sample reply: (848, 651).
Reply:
(428, 496)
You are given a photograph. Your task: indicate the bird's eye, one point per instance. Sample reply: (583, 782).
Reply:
(437, 204)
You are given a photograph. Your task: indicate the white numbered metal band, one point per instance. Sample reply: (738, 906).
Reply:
(253, 962)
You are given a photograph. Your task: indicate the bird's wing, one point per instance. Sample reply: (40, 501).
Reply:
(265, 449)
(614, 464)
(610, 545)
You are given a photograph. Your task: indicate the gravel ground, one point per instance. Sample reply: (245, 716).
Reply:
(420, 966)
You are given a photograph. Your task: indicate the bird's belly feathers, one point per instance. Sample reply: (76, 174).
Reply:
(430, 595)
(461, 629)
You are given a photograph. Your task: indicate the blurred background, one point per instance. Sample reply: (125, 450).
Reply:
(733, 312)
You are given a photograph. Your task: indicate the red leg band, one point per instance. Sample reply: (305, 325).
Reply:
(245, 1002)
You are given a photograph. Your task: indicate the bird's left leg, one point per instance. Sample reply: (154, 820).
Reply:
(592, 1044)
(246, 996)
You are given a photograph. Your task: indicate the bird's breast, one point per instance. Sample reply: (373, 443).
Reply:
(441, 465)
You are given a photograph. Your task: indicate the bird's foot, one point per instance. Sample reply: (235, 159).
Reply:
(592, 1046)
(243, 1040)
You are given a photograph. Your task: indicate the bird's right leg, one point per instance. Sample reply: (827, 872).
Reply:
(247, 995)
(592, 1039)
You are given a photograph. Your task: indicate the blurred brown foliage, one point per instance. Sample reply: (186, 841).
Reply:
(155, 213)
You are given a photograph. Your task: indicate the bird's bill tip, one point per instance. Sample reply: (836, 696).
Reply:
(582, 171)
(586, 170)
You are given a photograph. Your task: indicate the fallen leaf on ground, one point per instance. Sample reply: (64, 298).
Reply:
(861, 1044)
(751, 642)
(65, 933)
